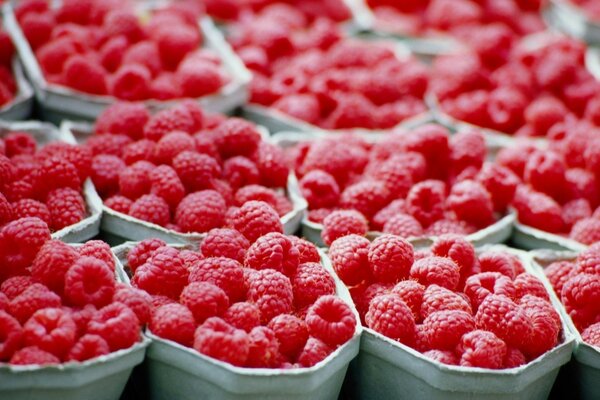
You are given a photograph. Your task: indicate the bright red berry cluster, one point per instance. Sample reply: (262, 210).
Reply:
(103, 48)
(230, 10)
(411, 184)
(449, 303)
(187, 170)
(42, 182)
(307, 69)
(8, 86)
(61, 303)
(527, 94)
(577, 284)
(263, 302)
(460, 18)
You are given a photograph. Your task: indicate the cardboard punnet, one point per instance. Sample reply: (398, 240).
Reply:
(530, 238)
(572, 20)
(21, 106)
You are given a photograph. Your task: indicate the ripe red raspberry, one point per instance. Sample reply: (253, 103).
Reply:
(342, 223)
(500, 315)
(52, 263)
(543, 113)
(363, 293)
(79, 156)
(144, 53)
(142, 251)
(33, 355)
(544, 335)
(52, 330)
(425, 201)
(314, 351)
(116, 324)
(579, 296)
(237, 137)
(151, 208)
(586, 231)
(81, 317)
(20, 240)
(171, 145)
(223, 272)
(591, 335)
(108, 144)
(355, 111)
(264, 348)
(225, 243)
(581, 184)
(395, 176)
(258, 193)
(84, 75)
(173, 322)
(436, 270)
(175, 43)
(273, 251)
(445, 329)
(196, 170)
(244, 316)
(12, 287)
(500, 182)
(201, 211)
(404, 226)
(123, 118)
(478, 287)
(538, 210)
(99, 250)
(190, 258)
(67, 207)
(411, 292)
(204, 300)
(137, 300)
(504, 263)
(164, 273)
(458, 250)
(292, 333)
(105, 173)
(320, 189)
(349, 257)
(240, 171)
(11, 333)
(437, 298)
(89, 281)
(166, 184)
(467, 149)
(87, 347)
(272, 164)
(134, 180)
(472, 203)
(55, 173)
(545, 172)
(574, 211)
(391, 317)
(217, 339)
(35, 297)
(396, 207)
(272, 292)
(331, 320)
(482, 349)
(526, 283)
(319, 215)
(310, 282)
(390, 258)
(131, 82)
(19, 143)
(307, 252)
(255, 219)
(166, 121)
(26, 208)
(199, 79)
(558, 273)
(141, 150)
(442, 356)
(587, 260)
(367, 197)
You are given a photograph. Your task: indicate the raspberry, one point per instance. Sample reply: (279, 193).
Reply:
(50, 329)
(99, 250)
(199, 79)
(310, 282)
(349, 257)
(504, 263)
(543, 113)
(258, 193)
(255, 219)
(201, 211)
(171, 145)
(240, 171)
(314, 351)
(481, 349)
(205, 300)
(8, 212)
(80, 157)
(436, 270)
(272, 164)
(538, 210)
(33, 355)
(244, 316)
(391, 317)
(20, 240)
(55, 173)
(134, 181)
(152, 209)
(587, 260)
(35, 297)
(37, 27)
(367, 197)
(500, 182)
(404, 226)
(195, 170)
(467, 149)
(471, 202)
(500, 315)
(291, 332)
(89, 281)
(225, 243)
(411, 292)
(273, 251)
(272, 292)
(319, 215)
(131, 82)
(12, 287)
(342, 223)
(363, 294)
(223, 272)
(544, 334)
(82, 317)
(355, 111)
(586, 231)
(458, 250)
(190, 258)
(558, 273)
(591, 335)
(301, 106)
(141, 150)
(437, 298)
(116, 324)
(390, 258)
(478, 287)
(307, 252)
(396, 207)
(442, 356)
(166, 184)
(67, 207)
(11, 333)
(108, 144)
(528, 284)
(264, 348)
(164, 273)
(166, 121)
(235, 137)
(82, 74)
(331, 320)
(123, 118)
(137, 300)
(545, 172)
(579, 295)
(87, 347)
(445, 329)
(217, 339)
(105, 173)
(173, 322)
(174, 44)
(52, 263)
(19, 143)
(425, 201)
(144, 53)
(575, 210)
(142, 251)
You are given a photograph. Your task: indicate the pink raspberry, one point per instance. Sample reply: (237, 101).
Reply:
(67, 207)
(575, 210)
(164, 273)
(411, 292)
(479, 286)
(141, 150)
(545, 172)
(481, 349)
(527, 284)
(152, 209)
(395, 176)
(367, 197)
(350, 259)
(500, 315)
(134, 180)
(225, 243)
(273, 251)
(201, 211)
(240, 171)
(237, 137)
(105, 173)
(310, 282)
(437, 298)
(272, 292)
(272, 164)
(217, 339)
(436, 270)
(87, 347)
(292, 333)
(495, 261)
(558, 273)
(33, 355)
(52, 263)
(342, 223)
(331, 320)
(255, 219)
(177, 118)
(591, 334)
(467, 149)
(307, 252)
(445, 329)
(12, 287)
(116, 324)
(314, 351)
(586, 231)
(579, 295)
(425, 201)
(173, 322)
(500, 182)
(20, 241)
(390, 258)
(396, 207)
(223, 272)
(472, 203)
(99, 250)
(52, 330)
(391, 317)
(404, 226)
(538, 210)
(320, 189)
(137, 300)
(205, 300)
(12, 334)
(89, 281)
(264, 348)
(142, 251)
(244, 316)
(165, 183)
(123, 118)
(442, 356)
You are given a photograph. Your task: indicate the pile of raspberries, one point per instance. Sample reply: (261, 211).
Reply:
(577, 284)
(464, 19)
(449, 303)
(525, 90)
(307, 69)
(102, 47)
(60, 303)
(412, 184)
(186, 170)
(559, 189)
(8, 85)
(45, 182)
(249, 300)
